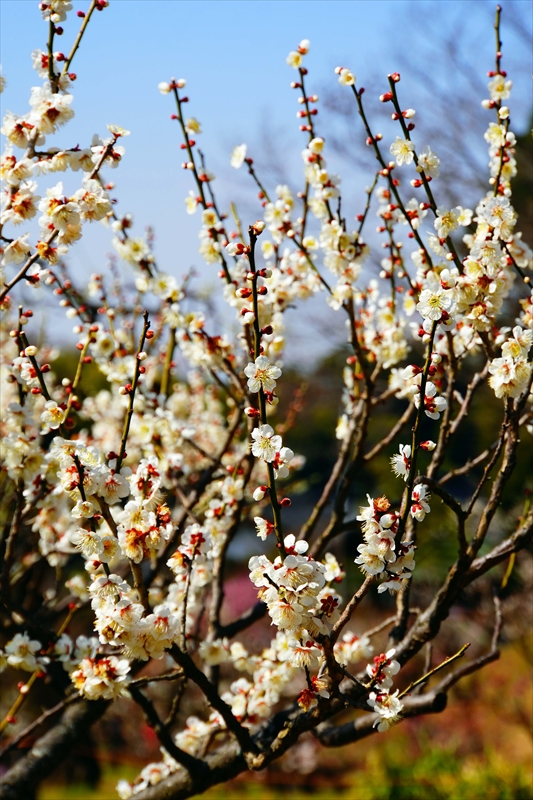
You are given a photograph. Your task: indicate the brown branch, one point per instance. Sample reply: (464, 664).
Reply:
(192, 764)
(509, 443)
(387, 622)
(460, 653)
(176, 702)
(340, 464)
(131, 394)
(394, 431)
(173, 675)
(461, 574)
(335, 524)
(477, 663)
(468, 466)
(37, 723)
(336, 736)
(77, 41)
(50, 749)
(350, 608)
(444, 430)
(14, 530)
(217, 590)
(255, 613)
(453, 504)
(476, 381)
(197, 676)
(517, 541)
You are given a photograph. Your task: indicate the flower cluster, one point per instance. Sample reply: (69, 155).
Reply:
(387, 706)
(434, 404)
(380, 553)
(103, 678)
(511, 374)
(298, 600)
(120, 620)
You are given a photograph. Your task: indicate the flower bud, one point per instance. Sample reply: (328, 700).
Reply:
(259, 493)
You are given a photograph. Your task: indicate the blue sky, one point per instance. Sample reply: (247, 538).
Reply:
(233, 56)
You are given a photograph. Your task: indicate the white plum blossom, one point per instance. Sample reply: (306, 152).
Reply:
(215, 652)
(294, 59)
(55, 10)
(102, 678)
(352, 648)
(21, 652)
(434, 404)
(446, 221)
(429, 163)
(437, 298)
(263, 527)
(403, 150)
(346, 77)
(371, 559)
(306, 654)
(419, 502)
(510, 374)
(281, 461)
(383, 669)
(17, 251)
(238, 155)
(53, 416)
(401, 462)
(266, 443)
(500, 88)
(334, 571)
(389, 708)
(262, 375)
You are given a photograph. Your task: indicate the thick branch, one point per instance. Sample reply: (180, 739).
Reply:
(193, 765)
(336, 736)
(50, 750)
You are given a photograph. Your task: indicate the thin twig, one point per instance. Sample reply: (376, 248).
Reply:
(428, 675)
(192, 764)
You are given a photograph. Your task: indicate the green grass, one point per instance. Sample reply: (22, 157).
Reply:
(387, 775)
